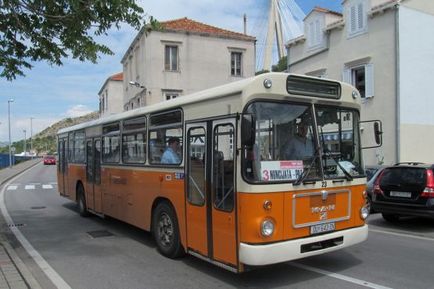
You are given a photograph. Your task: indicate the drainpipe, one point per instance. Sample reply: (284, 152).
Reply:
(397, 85)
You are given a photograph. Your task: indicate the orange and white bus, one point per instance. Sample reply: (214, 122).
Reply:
(269, 169)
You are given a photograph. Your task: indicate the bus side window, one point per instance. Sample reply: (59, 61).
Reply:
(163, 128)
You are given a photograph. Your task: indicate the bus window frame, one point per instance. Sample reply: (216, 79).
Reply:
(111, 134)
(173, 125)
(126, 132)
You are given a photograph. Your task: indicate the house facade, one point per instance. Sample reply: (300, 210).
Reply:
(111, 95)
(384, 49)
(183, 57)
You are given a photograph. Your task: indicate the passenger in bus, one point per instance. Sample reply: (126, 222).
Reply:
(170, 155)
(299, 146)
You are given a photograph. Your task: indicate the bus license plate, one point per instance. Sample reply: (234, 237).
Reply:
(321, 228)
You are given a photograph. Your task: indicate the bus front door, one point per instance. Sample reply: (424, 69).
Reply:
(93, 175)
(62, 167)
(210, 174)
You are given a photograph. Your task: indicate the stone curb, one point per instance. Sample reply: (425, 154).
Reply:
(16, 260)
(21, 267)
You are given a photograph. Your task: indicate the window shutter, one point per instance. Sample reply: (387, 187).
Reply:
(317, 32)
(352, 18)
(346, 75)
(360, 18)
(369, 78)
(311, 34)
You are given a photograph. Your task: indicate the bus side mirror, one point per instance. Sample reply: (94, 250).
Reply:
(248, 130)
(378, 133)
(372, 133)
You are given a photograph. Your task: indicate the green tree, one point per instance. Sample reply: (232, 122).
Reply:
(50, 30)
(281, 65)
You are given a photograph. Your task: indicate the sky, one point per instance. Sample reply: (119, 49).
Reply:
(48, 94)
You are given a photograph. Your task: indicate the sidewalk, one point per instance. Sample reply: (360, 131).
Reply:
(13, 272)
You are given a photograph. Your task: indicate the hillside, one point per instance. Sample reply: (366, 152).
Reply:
(52, 130)
(45, 141)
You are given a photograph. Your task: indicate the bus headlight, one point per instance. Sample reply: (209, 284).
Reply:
(267, 228)
(364, 212)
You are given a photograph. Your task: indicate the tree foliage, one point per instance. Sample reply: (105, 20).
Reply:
(51, 30)
(281, 65)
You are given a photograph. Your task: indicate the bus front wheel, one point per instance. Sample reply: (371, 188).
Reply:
(166, 231)
(81, 202)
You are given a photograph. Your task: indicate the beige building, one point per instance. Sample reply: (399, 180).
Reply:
(183, 57)
(385, 49)
(110, 95)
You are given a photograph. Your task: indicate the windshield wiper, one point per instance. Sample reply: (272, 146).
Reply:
(328, 154)
(305, 173)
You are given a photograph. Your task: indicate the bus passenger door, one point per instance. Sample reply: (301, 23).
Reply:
(93, 175)
(211, 212)
(62, 165)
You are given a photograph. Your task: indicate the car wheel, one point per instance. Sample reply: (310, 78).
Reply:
(166, 231)
(390, 217)
(81, 202)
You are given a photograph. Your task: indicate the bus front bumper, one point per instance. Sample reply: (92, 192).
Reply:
(257, 255)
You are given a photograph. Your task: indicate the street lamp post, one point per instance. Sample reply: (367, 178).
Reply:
(31, 137)
(9, 125)
(24, 142)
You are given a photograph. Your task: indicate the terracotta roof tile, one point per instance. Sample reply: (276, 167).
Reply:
(117, 77)
(188, 25)
(324, 10)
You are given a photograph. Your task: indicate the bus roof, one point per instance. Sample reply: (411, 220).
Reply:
(232, 88)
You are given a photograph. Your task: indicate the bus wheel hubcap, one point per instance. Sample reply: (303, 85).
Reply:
(165, 230)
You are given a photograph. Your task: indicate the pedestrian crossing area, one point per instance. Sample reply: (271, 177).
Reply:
(32, 186)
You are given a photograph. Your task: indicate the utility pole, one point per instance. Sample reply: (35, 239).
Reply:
(24, 142)
(9, 123)
(31, 136)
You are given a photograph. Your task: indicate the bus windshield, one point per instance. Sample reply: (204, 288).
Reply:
(294, 140)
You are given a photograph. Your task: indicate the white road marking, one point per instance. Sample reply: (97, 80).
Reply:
(45, 267)
(339, 276)
(54, 183)
(29, 187)
(402, 235)
(12, 188)
(47, 186)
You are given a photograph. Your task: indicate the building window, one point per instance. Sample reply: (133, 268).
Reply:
(357, 16)
(171, 58)
(315, 34)
(362, 78)
(171, 94)
(236, 63)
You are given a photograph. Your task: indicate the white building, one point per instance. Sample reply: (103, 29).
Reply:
(183, 57)
(111, 95)
(385, 49)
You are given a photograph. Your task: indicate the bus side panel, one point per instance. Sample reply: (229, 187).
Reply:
(251, 214)
(76, 173)
(128, 195)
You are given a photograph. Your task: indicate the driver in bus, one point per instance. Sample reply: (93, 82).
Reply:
(170, 155)
(299, 146)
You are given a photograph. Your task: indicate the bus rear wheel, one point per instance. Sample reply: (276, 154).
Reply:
(81, 202)
(166, 231)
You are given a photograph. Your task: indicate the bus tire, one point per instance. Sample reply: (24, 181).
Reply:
(165, 230)
(81, 201)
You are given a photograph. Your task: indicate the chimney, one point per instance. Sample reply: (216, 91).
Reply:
(245, 24)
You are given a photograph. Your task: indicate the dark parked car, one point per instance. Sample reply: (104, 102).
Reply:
(49, 160)
(372, 174)
(405, 189)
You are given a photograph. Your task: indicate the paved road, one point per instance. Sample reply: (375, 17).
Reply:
(398, 256)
